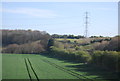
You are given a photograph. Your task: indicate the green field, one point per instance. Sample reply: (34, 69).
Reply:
(29, 66)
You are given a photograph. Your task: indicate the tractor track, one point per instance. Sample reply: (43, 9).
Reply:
(68, 71)
(27, 59)
(33, 69)
(28, 69)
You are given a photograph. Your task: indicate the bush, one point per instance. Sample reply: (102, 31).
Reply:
(83, 56)
(97, 57)
(107, 59)
(79, 56)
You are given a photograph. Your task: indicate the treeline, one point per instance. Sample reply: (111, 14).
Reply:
(73, 36)
(24, 41)
(67, 36)
(107, 59)
(100, 40)
(103, 59)
(22, 36)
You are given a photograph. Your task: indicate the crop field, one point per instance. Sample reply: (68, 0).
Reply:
(27, 66)
(71, 40)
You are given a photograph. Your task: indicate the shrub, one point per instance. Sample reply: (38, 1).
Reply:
(79, 56)
(107, 59)
(97, 57)
(83, 56)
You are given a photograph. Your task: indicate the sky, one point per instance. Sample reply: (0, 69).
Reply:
(62, 17)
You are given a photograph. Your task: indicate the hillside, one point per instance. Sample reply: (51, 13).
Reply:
(101, 52)
(102, 43)
(92, 58)
(24, 41)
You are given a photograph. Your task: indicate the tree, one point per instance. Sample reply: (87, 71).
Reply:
(50, 43)
(24, 41)
(113, 44)
(22, 36)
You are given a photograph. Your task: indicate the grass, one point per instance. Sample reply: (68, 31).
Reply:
(27, 66)
(88, 71)
(14, 67)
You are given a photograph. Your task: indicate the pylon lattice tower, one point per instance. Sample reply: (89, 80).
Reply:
(86, 24)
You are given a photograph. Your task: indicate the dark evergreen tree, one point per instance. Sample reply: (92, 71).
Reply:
(50, 43)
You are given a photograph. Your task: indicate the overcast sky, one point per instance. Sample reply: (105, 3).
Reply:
(62, 17)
